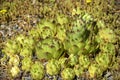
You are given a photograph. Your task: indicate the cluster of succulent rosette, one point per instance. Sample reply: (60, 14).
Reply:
(66, 45)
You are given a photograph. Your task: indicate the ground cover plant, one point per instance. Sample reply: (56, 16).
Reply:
(72, 39)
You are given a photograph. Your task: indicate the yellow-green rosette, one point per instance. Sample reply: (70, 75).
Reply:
(95, 70)
(84, 61)
(14, 60)
(106, 35)
(49, 48)
(11, 48)
(73, 59)
(15, 71)
(68, 74)
(103, 59)
(26, 52)
(63, 62)
(108, 48)
(37, 71)
(26, 63)
(53, 67)
(78, 70)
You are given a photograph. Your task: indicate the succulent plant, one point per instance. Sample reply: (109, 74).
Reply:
(25, 41)
(28, 42)
(73, 59)
(64, 28)
(37, 71)
(84, 61)
(63, 62)
(103, 60)
(49, 49)
(11, 48)
(26, 63)
(35, 33)
(26, 52)
(47, 29)
(107, 48)
(14, 60)
(107, 35)
(79, 70)
(15, 71)
(95, 70)
(68, 74)
(78, 38)
(53, 67)
(75, 38)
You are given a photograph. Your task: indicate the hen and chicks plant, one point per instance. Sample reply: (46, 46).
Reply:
(49, 48)
(66, 48)
(68, 74)
(37, 71)
(53, 67)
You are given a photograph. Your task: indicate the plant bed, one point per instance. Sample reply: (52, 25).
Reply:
(60, 40)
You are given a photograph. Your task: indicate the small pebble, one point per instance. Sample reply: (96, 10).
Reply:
(108, 74)
(110, 78)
